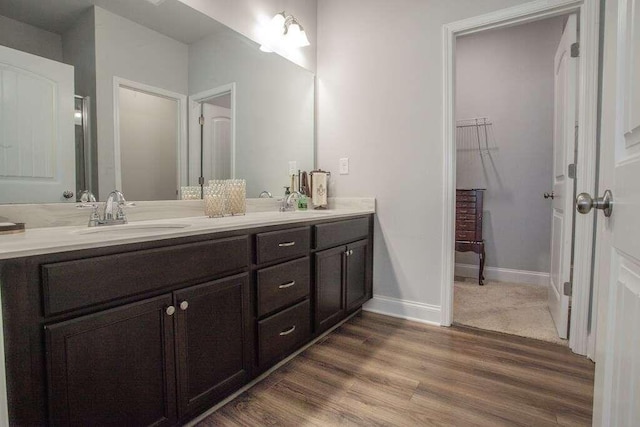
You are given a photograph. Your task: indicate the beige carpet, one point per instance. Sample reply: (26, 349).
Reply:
(511, 308)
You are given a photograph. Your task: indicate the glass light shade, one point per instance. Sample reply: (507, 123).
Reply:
(296, 36)
(277, 24)
(303, 40)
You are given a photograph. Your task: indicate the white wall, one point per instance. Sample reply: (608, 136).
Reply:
(148, 142)
(133, 52)
(274, 107)
(507, 75)
(380, 104)
(248, 17)
(30, 39)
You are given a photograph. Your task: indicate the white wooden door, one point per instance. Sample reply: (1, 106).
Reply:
(617, 388)
(216, 142)
(565, 87)
(37, 148)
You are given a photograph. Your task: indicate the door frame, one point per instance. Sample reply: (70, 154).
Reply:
(198, 98)
(181, 137)
(588, 12)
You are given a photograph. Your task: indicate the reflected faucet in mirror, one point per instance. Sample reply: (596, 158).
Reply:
(113, 213)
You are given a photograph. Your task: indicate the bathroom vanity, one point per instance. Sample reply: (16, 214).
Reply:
(148, 329)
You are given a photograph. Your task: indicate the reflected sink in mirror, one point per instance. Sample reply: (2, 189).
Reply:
(132, 228)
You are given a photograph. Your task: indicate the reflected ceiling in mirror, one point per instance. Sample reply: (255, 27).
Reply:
(143, 76)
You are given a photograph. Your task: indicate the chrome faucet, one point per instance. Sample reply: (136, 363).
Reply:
(290, 201)
(113, 213)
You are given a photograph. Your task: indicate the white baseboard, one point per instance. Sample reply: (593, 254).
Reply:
(410, 310)
(504, 274)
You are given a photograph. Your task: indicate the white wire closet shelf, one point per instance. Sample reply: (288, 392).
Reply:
(474, 134)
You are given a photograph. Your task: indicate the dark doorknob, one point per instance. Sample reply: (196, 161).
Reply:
(549, 195)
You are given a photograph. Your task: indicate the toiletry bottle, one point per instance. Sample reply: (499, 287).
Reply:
(302, 202)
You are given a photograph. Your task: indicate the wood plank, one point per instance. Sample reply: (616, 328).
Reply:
(377, 370)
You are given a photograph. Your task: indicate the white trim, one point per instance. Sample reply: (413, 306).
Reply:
(504, 275)
(181, 99)
(206, 95)
(271, 370)
(404, 309)
(587, 119)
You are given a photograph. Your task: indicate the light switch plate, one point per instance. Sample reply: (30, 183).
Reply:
(344, 166)
(293, 167)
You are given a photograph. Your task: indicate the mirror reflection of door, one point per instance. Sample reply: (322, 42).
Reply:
(148, 145)
(216, 138)
(37, 155)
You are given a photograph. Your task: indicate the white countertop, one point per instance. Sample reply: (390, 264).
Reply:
(40, 241)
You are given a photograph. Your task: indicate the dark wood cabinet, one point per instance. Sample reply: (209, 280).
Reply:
(155, 333)
(114, 367)
(283, 333)
(469, 205)
(329, 306)
(213, 341)
(342, 282)
(356, 275)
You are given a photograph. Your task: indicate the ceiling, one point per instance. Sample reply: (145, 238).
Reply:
(171, 18)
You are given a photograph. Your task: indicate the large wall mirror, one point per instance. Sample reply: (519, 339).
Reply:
(123, 94)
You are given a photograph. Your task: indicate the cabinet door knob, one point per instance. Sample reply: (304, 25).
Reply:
(351, 252)
(184, 305)
(170, 310)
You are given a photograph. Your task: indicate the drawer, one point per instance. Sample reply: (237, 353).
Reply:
(276, 245)
(464, 216)
(74, 284)
(465, 197)
(282, 284)
(465, 235)
(466, 225)
(465, 205)
(466, 210)
(340, 232)
(284, 332)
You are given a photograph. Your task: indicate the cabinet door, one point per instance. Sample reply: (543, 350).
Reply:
(329, 302)
(213, 341)
(356, 277)
(114, 367)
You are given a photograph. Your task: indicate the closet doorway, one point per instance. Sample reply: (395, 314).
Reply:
(515, 110)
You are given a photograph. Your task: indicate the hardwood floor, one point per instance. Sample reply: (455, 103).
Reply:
(377, 370)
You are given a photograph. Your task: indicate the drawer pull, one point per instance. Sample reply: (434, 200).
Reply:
(286, 244)
(287, 285)
(288, 331)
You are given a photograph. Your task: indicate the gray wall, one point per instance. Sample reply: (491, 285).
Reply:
(130, 51)
(507, 75)
(148, 129)
(274, 103)
(79, 50)
(380, 104)
(30, 39)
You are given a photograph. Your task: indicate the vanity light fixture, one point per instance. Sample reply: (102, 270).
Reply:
(284, 31)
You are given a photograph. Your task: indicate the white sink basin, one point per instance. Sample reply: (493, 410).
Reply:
(132, 228)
